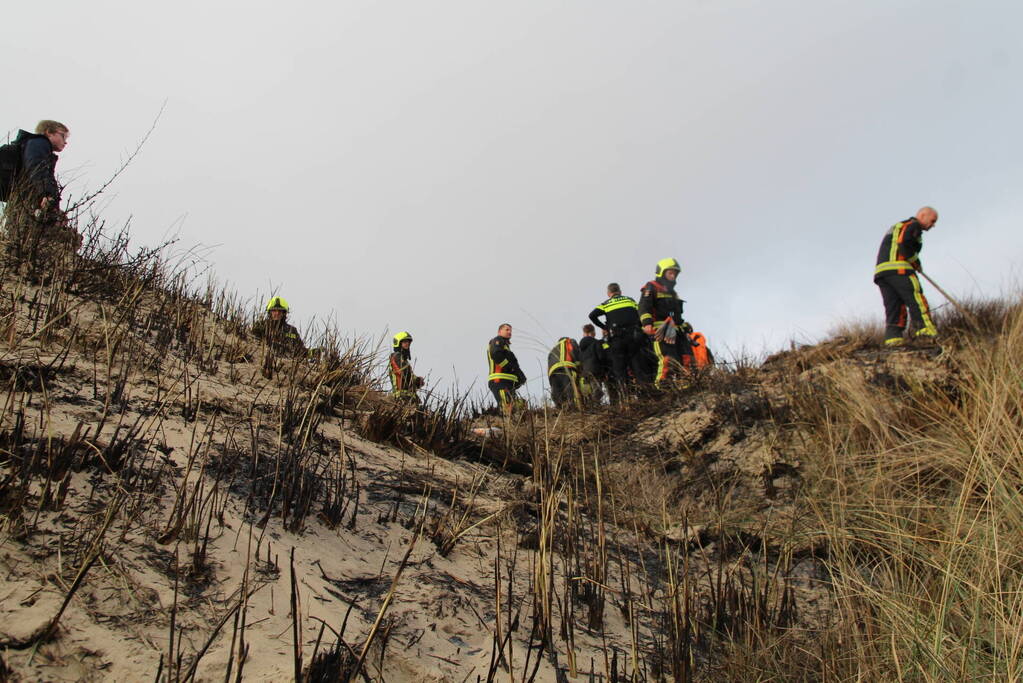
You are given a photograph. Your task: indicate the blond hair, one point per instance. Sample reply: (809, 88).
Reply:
(47, 126)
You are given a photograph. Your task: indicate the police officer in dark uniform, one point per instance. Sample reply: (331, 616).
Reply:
(625, 337)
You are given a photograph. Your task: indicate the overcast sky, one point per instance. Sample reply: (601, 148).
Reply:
(442, 167)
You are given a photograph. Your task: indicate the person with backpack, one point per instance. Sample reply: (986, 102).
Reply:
(28, 185)
(898, 261)
(660, 314)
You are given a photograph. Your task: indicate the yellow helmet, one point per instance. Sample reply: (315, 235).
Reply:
(277, 303)
(399, 338)
(667, 264)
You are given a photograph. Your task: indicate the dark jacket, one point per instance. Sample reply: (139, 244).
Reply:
(504, 366)
(279, 336)
(621, 313)
(403, 381)
(564, 357)
(38, 166)
(658, 302)
(900, 249)
(595, 356)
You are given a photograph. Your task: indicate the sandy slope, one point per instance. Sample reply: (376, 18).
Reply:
(439, 625)
(709, 480)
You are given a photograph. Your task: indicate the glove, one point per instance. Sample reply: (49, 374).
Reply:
(687, 328)
(667, 332)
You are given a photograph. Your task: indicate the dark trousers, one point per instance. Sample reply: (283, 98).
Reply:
(627, 354)
(565, 388)
(901, 295)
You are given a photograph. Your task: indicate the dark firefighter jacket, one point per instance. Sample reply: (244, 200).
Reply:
(403, 382)
(279, 336)
(564, 357)
(502, 362)
(621, 313)
(900, 249)
(658, 302)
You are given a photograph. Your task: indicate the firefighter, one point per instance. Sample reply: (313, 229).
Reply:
(660, 313)
(505, 374)
(404, 383)
(563, 371)
(624, 336)
(281, 339)
(898, 259)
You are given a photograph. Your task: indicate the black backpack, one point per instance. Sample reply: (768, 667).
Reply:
(11, 156)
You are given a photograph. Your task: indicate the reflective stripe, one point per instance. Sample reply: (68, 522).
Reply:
(928, 330)
(494, 376)
(892, 265)
(564, 358)
(508, 401)
(497, 369)
(893, 249)
(663, 365)
(562, 364)
(395, 377)
(617, 302)
(896, 260)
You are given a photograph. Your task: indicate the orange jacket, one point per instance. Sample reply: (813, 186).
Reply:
(701, 355)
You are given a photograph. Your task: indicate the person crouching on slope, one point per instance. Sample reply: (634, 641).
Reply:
(563, 366)
(898, 260)
(660, 313)
(505, 375)
(281, 339)
(404, 384)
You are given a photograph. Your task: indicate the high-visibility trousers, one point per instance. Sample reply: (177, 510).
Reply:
(673, 362)
(902, 294)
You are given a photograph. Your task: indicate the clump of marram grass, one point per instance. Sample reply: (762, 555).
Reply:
(917, 491)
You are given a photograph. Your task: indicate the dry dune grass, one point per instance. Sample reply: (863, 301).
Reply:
(919, 493)
(839, 512)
